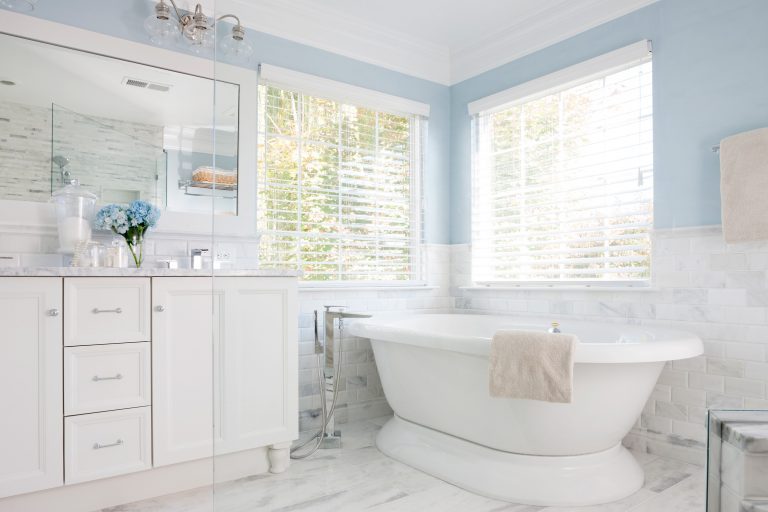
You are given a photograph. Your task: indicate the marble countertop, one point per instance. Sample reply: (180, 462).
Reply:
(140, 272)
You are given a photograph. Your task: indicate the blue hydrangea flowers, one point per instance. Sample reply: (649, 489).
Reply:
(131, 222)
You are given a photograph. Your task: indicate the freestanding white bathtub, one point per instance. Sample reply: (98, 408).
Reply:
(434, 370)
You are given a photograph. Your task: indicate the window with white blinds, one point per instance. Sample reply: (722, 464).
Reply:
(563, 176)
(338, 188)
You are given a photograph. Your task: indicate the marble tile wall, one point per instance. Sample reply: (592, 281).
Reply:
(361, 396)
(700, 284)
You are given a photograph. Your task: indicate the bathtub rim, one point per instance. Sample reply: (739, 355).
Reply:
(668, 345)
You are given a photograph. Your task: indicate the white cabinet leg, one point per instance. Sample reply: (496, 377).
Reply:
(279, 457)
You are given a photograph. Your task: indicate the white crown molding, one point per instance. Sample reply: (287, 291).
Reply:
(527, 36)
(307, 23)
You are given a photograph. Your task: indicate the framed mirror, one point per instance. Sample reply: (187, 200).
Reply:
(125, 129)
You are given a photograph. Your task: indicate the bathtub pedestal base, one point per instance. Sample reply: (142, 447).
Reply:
(577, 480)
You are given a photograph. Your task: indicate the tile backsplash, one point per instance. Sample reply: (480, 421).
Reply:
(701, 284)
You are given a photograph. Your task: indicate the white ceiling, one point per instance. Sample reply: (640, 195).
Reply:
(454, 24)
(445, 41)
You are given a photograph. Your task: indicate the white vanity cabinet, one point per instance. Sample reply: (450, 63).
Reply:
(239, 333)
(124, 387)
(31, 430)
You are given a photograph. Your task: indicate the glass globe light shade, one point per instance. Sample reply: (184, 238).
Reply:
(162, 32)
(201, 42)
(19, 5)
(239, 49)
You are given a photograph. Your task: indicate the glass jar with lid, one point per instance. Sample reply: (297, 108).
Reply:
(75, 207)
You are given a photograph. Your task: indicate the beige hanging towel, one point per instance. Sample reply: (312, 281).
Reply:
(532, 365)
(744, 186)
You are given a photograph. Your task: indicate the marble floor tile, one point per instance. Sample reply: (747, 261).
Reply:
(358, 477)
(686, 496)
(661, 474)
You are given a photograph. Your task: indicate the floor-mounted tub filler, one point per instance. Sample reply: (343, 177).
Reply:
(434, 370)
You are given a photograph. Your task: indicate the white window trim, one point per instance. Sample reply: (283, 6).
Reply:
(608, 63)
(614, 61)
(312, 85)
(342, 92)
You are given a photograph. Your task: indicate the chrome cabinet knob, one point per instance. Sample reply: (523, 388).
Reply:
(159, 309)
(53, 312)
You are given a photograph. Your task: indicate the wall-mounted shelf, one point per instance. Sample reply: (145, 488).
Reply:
(207, 189)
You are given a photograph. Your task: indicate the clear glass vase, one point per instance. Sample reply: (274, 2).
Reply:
(136, 247)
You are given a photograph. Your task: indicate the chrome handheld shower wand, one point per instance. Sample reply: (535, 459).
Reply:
(327, 376)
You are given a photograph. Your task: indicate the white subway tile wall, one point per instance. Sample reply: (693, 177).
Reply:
(360, 392)
(700, 284)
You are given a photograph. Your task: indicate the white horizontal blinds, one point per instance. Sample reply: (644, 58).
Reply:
(338, 189)
(563, 182)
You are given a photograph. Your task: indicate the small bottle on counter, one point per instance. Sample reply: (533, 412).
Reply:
(97, 254)
(117, 254)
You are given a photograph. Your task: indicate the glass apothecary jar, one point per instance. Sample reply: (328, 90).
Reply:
(75, 207)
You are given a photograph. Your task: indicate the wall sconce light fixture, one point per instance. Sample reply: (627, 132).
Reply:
(165, 28)
(19, 5)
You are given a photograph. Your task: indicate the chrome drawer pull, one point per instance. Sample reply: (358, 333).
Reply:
(96, 311)
(97, 446)
(96, 378)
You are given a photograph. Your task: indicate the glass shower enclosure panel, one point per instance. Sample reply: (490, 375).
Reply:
(120, 161)
(254, 321)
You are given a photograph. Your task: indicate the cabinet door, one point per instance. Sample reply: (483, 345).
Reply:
(182, 368)
(225, 353)
(31, 432)
(259, 379)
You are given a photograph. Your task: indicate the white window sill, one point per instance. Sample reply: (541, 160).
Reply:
(344, 287)
(561, 288)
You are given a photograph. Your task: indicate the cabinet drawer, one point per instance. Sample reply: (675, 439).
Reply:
(106, 377)
(106, 444)
(100, 310)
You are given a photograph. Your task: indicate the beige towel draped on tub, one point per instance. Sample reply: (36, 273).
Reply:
(744, 186)
(532, 365)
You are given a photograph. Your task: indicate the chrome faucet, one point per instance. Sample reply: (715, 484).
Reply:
(330, 317)
(332, 437)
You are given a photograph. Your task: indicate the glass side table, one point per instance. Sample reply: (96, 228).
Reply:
(737, 461)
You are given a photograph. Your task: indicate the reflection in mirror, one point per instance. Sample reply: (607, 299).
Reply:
(124, 130)
(83, 149)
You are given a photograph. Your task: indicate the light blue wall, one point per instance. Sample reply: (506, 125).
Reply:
(710, 80)
(125, 18)
(710, 74)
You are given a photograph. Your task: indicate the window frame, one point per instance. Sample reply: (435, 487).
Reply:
(572, 76)
(347, 94)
